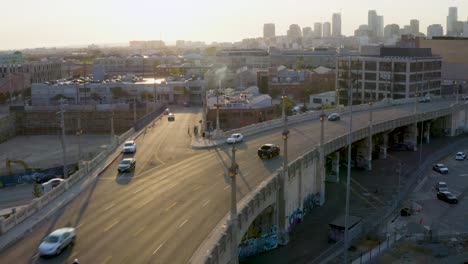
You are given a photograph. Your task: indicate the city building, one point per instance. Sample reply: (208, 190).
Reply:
(307, 59)
(388, 72)
(238, 108)
(147, 45)
(12, 58)
(336, 25)
(185, 69)
(414, 24)
(392, 31)
(294, 31)
(307, 32)
(452, 18)
(380, 26)
(372, 22)
(318, 30)
(326, 30)
(269, 31)
(317, 101)
(237, 58)
(135, 64)
(465, 29)
(362, 31)
(435, 30)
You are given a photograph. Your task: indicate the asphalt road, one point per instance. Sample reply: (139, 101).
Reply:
(165, 209)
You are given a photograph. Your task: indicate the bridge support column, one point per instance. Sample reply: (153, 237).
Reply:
(364, 155)
(427, 133)
(383, 147)
(411, 136)
(283, 235)
(319, 178)
(334, 175)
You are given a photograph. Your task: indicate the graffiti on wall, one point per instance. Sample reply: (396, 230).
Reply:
(263, 240)
(310, 201)
(295, 218)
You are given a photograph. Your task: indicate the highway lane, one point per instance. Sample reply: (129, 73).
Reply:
(162, 214)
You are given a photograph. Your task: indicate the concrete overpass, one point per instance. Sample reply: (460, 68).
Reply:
(306, 176)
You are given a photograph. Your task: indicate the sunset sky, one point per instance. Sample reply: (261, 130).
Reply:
(45, 23)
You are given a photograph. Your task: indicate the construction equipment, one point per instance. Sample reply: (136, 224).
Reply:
(23, 163)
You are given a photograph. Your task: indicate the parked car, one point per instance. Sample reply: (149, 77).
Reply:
(54, 182)
(334, 117)
(460, 156)
(56, 241)
(171, 117)
(441, 187)
(127, 164)
(166, 111)
(267, 151)
(425, 99)
(42, 177)
(447, 197)
(235, 138)
(129, 147)
(440, 168)
(186, 104)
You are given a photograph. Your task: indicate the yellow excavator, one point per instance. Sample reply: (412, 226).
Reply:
(22, 162)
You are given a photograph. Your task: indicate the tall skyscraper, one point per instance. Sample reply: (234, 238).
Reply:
(452, 18)
(294, 31)
(269, 30)
(372, 22)
(318, 30)
(391, 31)
(435, 30)
(326, 30)
(380, 26)
(336, 25)
(306, 31)
(414, 24)
(465, 29)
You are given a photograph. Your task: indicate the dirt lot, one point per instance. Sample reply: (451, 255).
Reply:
(46, 151)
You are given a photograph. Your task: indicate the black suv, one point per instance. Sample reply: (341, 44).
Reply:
(447, 197)
(267, 151)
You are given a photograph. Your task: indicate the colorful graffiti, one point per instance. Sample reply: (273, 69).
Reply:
(295, 218)
(310, 201)
(263, 239)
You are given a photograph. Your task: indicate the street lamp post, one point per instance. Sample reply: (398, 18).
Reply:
(62, 138)
(283, 176)
(79, 132)
(233, 170)
(322, 154)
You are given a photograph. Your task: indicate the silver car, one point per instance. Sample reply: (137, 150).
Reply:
(54, 243)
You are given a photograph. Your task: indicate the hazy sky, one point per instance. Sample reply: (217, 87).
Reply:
(44, 23)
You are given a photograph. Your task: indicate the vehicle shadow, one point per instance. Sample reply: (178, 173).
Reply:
(124, 178)
(61, 258)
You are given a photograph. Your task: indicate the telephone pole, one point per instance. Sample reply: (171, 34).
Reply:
(62, 139)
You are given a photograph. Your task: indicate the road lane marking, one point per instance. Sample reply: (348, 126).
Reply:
(139, 190)
(154, 252)
(110, 226)
(106, 260)
(109, 207)
(144, 203)
(79, 225)
(463, 175)
(172, 205)
(183, 223)
(205, 203)
(139, 231)
(225, 188)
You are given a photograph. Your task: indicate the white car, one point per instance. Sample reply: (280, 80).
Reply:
(441, 187)
(235, 138)
(460, 156)
(129, 147)
(54, 243)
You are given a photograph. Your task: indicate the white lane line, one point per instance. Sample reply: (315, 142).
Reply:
(463, 175)
(154, 252)
(109, 207)
(110, 226)
(139, 231)
(225, 188)
(183, 223)
(139, 190)
(172, 205)
(205, 203)
(79, 225)
(143, 204)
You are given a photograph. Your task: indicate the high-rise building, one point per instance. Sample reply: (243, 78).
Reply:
(306, 31)
(294, 31)
(372, 22)
(391, 31)
(268, 30)
(318, 30)
(435, 30)
(326, 30)
(336, 25)
(380, 26)
(465, 29)
(452, 18)
(414, 24)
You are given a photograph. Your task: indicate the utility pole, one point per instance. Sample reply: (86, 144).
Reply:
(64, 150)
(283, 176)
(112, 128)
(78, 133)
(322, 154)
(134, 110)
(233, 170)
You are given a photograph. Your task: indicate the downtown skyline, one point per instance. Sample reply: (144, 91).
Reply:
(53, 23)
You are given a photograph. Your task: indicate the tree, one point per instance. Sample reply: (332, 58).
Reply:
(299, 63)
(263, 85)
(211, 51)
(288, 104)
(274, 93)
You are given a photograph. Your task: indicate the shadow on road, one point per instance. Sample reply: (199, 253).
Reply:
(124, 178)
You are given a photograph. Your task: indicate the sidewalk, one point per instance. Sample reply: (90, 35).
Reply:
(371, 193)
(204, 143)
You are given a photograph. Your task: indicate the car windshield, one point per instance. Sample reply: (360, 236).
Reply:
(125, 162)
(442, 185)
(128, 144)
(265, 147)
(52, 239)
(451, 196)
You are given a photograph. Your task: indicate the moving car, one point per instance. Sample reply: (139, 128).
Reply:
(127, 164)
(441, 187)
(425, 99)
(267, 151)
(166, 111)
(129, 147)
(460, 156)
(171, 117)
(54, 243)
(334, 117)
(235, 138)
(54, 182)
(440, 168)
(447, 197)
